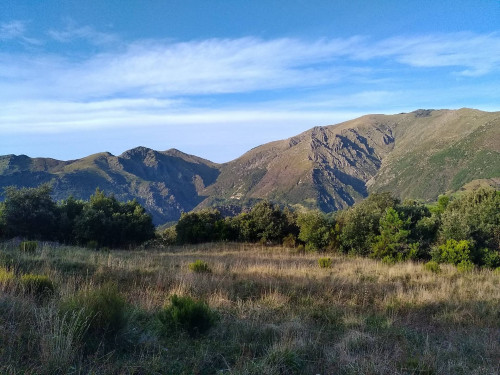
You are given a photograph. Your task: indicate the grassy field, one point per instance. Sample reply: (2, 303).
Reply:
(278, 313)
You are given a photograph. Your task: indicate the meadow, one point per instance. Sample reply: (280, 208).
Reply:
(276, 311)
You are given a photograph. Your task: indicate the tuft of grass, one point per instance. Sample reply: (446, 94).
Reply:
(194, 316)
(61, 337)
(28, 246)
(103, 309)
(432, 266)
(37, 285)
(7, 278)
(325, 262)
(199, 266)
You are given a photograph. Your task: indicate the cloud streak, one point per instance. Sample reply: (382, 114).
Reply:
(155, 83)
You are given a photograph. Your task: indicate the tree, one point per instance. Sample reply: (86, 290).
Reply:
(30, 213)
(474, 216)
(392, 240)
(200, 226)
(359, 225)
(111, 223)
(69, 211)
(314, 229)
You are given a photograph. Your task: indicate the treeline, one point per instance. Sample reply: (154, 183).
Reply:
(462, 230)
(103, 221)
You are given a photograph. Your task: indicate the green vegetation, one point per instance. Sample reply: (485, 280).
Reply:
(102, 221)
(199, 266)
(29, 246)
(37, 285)
(195, 317)
(325, 262)
(463, 229)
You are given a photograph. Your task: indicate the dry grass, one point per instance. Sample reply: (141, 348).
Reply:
(280, 313)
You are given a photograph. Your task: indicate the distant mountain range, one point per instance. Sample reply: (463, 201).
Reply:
(413, 155)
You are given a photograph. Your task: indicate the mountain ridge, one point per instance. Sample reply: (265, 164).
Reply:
(327, 167)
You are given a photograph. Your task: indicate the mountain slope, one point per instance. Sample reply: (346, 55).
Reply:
(166, 183)
(419, 155)
(325, 167)
(413, 155)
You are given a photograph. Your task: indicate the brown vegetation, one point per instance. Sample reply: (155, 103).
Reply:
(278, 312)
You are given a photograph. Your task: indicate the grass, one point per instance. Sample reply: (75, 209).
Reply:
(278, 313)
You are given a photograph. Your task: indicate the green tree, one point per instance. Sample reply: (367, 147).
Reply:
(359, 225)
(30, 213)
(111, 223)
(474, 216)
(392, 242)
(200, 226)
(314, 229)
(69, 211)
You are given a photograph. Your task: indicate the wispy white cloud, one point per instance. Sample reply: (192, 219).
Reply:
(476, 54)
(15, 31)
(73, 31)
(157, 83)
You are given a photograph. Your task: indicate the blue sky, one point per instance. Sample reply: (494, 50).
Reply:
(216, 78)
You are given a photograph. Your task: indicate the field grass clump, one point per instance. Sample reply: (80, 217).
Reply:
(432, 266)
(325, 262)
(28, 246)
(184, 312)
(37, 285)
(103, 309)
(7, 277)
(199, 266)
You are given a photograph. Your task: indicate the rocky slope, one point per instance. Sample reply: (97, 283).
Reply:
(166, 183)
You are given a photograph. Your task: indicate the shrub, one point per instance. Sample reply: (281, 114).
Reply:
(325, 262)
(199, 266)
(103, 309)
(490, 258)
(6, 277)
(37, 285)
(465, 266)
(28, 246)
(193, 316)
(455, 252)
(289, 240)
(432, 266)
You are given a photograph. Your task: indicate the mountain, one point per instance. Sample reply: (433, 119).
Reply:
(414, 155)
(165, 183)
(420, 154)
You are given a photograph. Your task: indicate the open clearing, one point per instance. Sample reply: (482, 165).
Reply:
(278, 313)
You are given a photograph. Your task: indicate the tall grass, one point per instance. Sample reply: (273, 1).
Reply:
(278, 313)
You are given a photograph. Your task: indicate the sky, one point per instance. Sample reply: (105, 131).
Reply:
(215, 78)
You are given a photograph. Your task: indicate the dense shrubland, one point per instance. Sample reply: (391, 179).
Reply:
(102, 221)
(463, 229)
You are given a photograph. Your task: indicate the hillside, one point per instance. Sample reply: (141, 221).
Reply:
(165, 183)
(413, 155)
(420, 154)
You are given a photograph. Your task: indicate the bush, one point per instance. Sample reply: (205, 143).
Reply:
(103, 309)
(432, 266)
(37, 285)
(465, 266)
(325, 262)
(28, 246)
(289, 240)
(6, 277)
(455, 252)
(199, 266)
(490, 258)
(193, 316)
